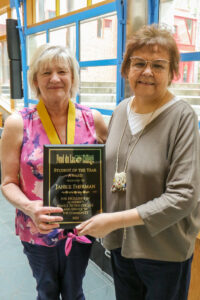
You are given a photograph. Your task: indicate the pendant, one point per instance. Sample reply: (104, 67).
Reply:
(119, 182)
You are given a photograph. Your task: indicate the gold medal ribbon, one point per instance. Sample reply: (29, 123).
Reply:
(49, 127)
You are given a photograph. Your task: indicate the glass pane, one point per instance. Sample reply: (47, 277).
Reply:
(183, 17)
(65, 36)
(14, 13)
(97, 1)
(188, 85)
(136, 16)
(68, 6)
(98, 38)
(3, 18)
(45, 9)
(33, 42)
(98, 87)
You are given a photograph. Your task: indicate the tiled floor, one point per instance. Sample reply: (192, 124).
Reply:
(16, 281)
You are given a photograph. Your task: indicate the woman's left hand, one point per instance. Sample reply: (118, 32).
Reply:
(102, 224)
(99, 225)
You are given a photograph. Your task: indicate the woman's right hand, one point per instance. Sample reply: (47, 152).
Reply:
(41, 218)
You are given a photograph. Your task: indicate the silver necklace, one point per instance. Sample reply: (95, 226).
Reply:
(119, 180)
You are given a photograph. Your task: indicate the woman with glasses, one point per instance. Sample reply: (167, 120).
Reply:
(153, 175)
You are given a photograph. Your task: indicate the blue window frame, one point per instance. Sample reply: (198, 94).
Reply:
(117, 6)
(153, 11)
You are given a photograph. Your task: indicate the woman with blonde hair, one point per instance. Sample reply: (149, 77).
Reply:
(53, 75)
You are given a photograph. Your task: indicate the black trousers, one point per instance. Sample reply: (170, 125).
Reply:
(145, 279)
(58, 276)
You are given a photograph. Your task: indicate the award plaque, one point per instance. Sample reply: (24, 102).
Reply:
(74, 179)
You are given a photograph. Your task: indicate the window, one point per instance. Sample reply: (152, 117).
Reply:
(65, 36)
(96, 41)
(98, 86)
(97, 1)
(14, 13)
(68, 6)
(186, 32)
(33, 42)
(183, 17)
(186, 29)
(3, 18)
(45, 9)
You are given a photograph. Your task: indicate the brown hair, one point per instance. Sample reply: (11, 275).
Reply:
(151, 35)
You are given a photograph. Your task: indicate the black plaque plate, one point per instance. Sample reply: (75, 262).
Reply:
(74, 179)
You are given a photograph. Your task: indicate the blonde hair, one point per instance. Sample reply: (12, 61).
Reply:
(151, 35)
(45, 55)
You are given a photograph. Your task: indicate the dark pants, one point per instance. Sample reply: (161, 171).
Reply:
(57, 274)
(145, 279)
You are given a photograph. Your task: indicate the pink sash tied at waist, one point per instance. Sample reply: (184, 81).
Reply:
(71, 237)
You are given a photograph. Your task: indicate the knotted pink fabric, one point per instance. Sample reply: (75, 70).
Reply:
(71, 237)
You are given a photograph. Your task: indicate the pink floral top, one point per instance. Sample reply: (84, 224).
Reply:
(31, 168)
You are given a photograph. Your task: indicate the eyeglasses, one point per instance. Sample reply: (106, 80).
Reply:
(157, 65)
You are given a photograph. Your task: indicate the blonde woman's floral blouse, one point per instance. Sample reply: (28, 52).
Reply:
(31, 168)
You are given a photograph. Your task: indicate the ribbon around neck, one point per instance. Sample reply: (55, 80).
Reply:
(54, 139)
(71, 237)
(49, 127)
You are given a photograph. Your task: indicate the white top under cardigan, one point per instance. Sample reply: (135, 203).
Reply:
(138, 121)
